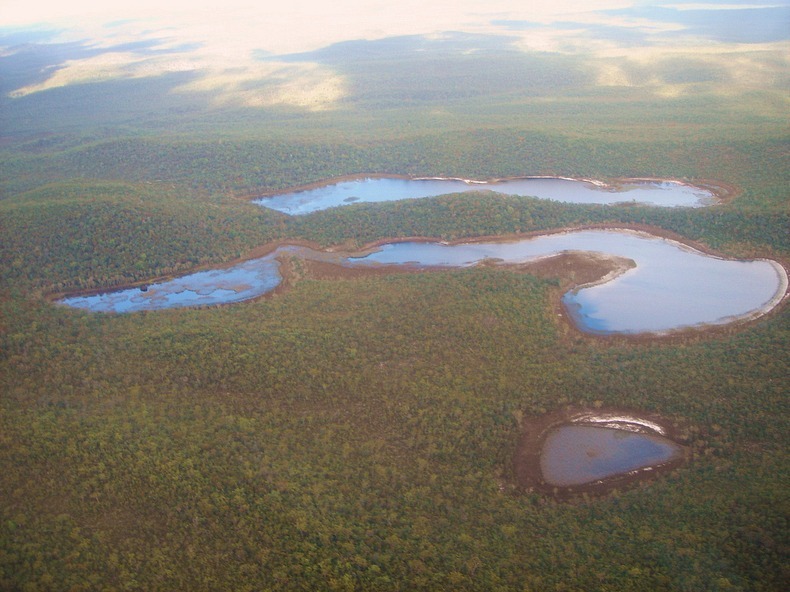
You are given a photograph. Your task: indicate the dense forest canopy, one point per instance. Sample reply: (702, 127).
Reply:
(357, 433)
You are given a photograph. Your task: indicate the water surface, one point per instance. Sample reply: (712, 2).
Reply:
(579, 454)
(672, 286)
(217, 286)
(371, 190)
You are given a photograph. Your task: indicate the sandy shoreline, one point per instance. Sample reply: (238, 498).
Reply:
(534, 430)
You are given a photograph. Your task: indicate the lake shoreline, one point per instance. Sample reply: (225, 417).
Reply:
(574, 271)
(527, 473)
(565, 318)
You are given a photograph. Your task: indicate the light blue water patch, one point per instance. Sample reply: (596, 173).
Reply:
(368, 190)
(218, 286)
(671, 287)
(575, 455)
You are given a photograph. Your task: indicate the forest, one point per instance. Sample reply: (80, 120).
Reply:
(357, 433)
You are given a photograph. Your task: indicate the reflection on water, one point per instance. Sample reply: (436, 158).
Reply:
(655, 193)
(671, 287)
(217, 286)
(576, 454)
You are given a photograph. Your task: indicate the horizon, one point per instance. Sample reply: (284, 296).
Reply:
(243, 44)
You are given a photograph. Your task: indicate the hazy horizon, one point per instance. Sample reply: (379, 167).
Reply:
(228, 50)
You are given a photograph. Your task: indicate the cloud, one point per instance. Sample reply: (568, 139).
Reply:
(226, 38)
(309, 86)
(229, 80)
(107, 66)
(718, 6)
(288, 27)
(676, 71)
(221, 43)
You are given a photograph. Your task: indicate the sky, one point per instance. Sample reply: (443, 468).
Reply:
(302, 25)
(223, 40)
(291, 26)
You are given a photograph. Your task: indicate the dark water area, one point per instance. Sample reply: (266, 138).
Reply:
(373, 190)
(574, 455)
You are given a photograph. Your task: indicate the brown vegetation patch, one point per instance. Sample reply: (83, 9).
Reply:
(722, 192)
(574, 267)
(526, 461)
(577, 268)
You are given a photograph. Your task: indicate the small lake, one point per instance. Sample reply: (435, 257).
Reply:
(204, 288)
(672, 286)
(574, 455)
(371, 190)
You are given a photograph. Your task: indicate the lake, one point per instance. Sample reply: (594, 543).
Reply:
(672, 286)
(217, 286)
(381, 189)
(574, 455)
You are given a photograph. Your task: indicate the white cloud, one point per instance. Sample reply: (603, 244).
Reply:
(219, 40)
(717, 6)
(225, 36)
(107, 66)
(299, 21)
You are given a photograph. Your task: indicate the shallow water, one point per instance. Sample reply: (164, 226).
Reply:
(671, 287)
(655, 193)
(217, 286)
(575, 455)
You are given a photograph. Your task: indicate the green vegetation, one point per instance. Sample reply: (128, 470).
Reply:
(78, 235)
(356, 434)
(265, 445)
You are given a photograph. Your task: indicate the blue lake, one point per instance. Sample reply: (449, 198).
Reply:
(204, 288)
(672, 286)
(574, 455)
(371, 190)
